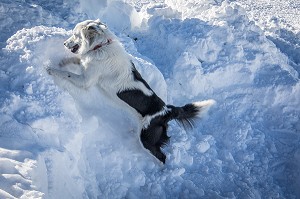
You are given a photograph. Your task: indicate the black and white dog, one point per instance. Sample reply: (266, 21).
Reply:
(105, 64)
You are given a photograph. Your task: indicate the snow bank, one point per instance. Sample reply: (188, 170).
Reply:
(125, 17)
(55, 144)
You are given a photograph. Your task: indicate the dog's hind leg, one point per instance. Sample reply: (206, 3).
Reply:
(154, 137)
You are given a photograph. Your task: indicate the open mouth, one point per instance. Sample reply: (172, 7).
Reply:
(75, 48)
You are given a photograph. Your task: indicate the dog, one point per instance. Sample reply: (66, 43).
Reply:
(105, 64)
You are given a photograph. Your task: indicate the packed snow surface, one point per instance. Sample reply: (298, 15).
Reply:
(243, 54)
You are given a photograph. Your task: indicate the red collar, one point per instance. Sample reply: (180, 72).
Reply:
(109, 41)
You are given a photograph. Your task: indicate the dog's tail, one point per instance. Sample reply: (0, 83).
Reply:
(187, 114)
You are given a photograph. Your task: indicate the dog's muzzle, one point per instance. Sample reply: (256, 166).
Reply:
(73, 49)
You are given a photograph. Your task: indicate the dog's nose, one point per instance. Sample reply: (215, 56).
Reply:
(65, 44)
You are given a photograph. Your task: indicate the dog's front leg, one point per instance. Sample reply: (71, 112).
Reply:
(69, 60)
(81, 81)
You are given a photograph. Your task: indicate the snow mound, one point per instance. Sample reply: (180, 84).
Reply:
(55, 144)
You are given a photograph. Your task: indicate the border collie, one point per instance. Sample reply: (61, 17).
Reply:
(105, 64)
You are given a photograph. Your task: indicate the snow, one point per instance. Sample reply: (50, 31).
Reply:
(243, 54)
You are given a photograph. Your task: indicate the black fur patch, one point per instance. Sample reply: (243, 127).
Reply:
(155, 136)
(145, 105)
(185, 115)
(137, 77)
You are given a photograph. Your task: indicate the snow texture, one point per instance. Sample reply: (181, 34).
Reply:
(243, 54)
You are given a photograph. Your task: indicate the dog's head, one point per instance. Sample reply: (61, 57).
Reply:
(87, 36)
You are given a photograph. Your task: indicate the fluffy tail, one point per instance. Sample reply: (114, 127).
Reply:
(187, 114)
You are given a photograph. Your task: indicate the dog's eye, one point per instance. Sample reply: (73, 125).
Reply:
(92, 28)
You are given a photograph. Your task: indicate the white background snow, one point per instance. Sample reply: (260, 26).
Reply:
(244, 54)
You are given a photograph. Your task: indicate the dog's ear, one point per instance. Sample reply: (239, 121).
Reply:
(96, 28)
(92, 28)
(90, 32)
